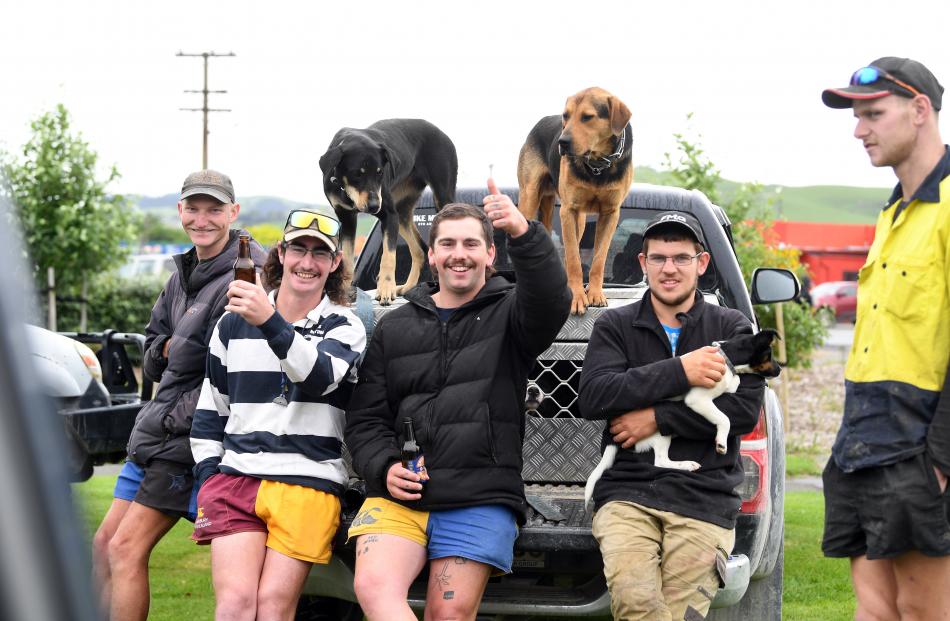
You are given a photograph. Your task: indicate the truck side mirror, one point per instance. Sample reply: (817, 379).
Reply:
(771, 285)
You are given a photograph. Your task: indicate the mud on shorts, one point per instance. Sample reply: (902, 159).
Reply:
(165, 486)
(884, 511)
(300, 522)
(659, 564)
(485, 533)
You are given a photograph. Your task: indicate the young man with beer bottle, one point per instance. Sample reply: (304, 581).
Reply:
(452, 363)
(155, 486)
(267, 434)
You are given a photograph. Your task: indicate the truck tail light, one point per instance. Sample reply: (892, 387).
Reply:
(754, 454)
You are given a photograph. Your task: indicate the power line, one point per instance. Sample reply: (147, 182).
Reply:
(205, 109)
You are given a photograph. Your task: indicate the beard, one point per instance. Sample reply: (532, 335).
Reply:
(672, 299)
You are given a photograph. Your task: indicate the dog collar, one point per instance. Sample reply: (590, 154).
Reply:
(729, 365)
(600, 164)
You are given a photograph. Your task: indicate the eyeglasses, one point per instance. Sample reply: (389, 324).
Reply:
(296, 251)
(680, 260)
(301, 219)
(870, 74)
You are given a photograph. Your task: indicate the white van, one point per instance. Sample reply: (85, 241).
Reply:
(148, 265)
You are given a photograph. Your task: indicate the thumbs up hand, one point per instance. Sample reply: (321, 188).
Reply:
(502, 213)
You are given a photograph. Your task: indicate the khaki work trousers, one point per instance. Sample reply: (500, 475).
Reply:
(658, 563)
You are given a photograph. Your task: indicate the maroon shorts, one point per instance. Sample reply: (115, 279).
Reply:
(300, 522)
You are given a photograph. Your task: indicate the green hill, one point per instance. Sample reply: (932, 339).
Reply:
(254, 209)
(831, 203)
(816, 203)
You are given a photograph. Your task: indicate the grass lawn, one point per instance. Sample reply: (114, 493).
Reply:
(816, 588)
(180, 570)
(805, 463)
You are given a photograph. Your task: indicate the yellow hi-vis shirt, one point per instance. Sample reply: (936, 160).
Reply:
(898, 360)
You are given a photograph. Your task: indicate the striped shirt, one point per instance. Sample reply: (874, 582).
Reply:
(241, 425)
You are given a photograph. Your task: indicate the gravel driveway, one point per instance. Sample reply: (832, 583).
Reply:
(816, 396)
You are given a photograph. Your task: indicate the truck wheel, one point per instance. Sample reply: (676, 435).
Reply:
(78, 459)
(762, 602)
(83, 473)
(316, 608)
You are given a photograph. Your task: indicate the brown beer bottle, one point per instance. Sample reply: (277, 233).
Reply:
(243, 265)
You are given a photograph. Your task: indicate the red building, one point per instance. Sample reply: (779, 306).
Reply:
(831, 251)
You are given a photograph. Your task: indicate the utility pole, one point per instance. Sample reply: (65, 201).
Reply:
(205, 109)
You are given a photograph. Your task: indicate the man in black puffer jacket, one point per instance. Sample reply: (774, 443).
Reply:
(454, 360)
(155, 487)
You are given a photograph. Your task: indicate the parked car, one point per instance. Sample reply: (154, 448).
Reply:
(162, 264)
(558, 567)
(96, 393)
(839, 297)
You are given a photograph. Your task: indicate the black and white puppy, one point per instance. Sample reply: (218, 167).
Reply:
(382, 170)
(744, 354)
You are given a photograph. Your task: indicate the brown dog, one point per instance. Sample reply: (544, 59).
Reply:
(584, 157)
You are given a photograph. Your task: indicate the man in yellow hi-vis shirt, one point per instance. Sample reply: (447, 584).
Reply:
(886, 482)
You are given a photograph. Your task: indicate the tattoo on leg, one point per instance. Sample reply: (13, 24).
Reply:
(370, 539)
(448, 595)
(444, 577)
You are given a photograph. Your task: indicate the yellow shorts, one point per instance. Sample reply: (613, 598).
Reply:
(379, 516)
(300, 522)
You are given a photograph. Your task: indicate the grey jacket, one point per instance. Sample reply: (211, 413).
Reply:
(186, 312)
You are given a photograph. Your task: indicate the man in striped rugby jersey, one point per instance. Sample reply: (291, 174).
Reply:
(267, 433)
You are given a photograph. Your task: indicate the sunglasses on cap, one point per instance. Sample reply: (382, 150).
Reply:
(310, 220)
(871, 74)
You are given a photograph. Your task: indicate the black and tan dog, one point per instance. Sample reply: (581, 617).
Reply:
(382, 170)
(584, 157)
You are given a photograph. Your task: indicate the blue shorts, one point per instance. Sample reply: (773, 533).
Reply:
(485, 533)
(164, 487)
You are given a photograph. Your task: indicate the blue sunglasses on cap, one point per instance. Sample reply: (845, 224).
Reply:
(871, 74)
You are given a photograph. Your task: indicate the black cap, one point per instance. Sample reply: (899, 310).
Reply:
(678, 219)
(910, 72)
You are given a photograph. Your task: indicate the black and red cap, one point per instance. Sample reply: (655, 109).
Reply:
(886, 76)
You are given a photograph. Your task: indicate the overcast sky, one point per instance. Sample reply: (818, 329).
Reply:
(751, 72)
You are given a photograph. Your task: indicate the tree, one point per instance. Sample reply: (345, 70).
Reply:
(155, 231)
(69, 222)
(266, 234)
(751, 219)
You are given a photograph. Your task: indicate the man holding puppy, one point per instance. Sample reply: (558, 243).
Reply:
(454, 361)
(661, 531)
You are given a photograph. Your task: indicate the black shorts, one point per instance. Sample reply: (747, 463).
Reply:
(885, 511)
(167, 487)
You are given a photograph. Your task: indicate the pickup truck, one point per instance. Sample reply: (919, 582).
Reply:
(558, 570)
(96, 393)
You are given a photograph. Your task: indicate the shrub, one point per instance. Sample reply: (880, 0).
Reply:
(751, 223)
(113, 302)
